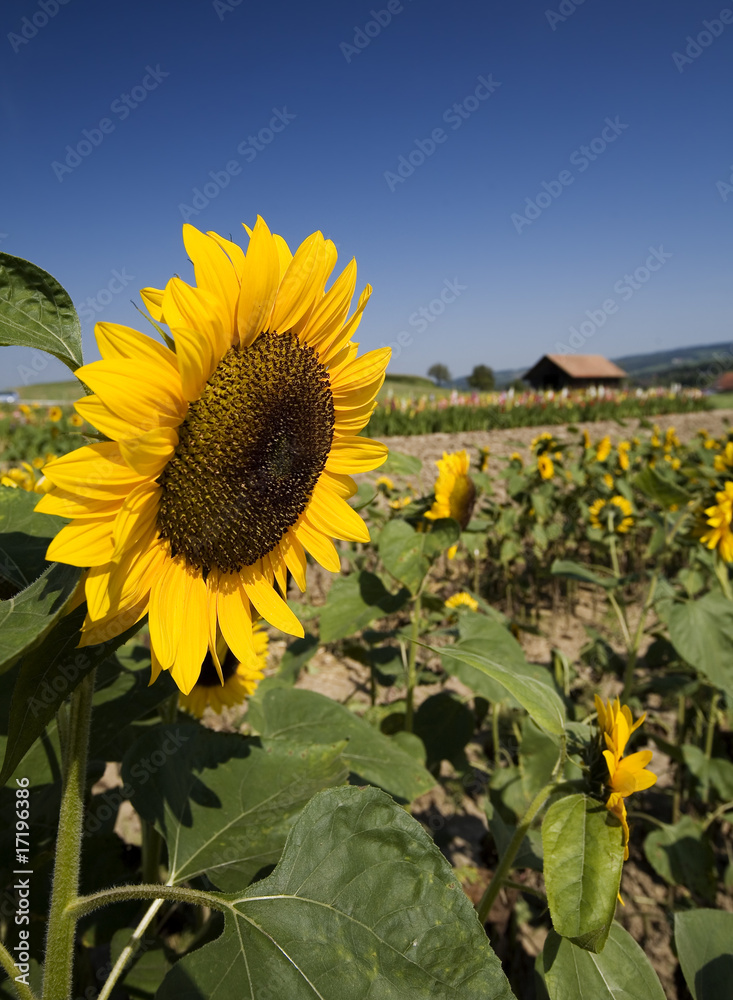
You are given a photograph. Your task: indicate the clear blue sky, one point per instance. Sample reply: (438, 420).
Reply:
(346, 114)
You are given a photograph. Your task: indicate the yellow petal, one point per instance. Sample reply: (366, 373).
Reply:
(214, 273)
(114, 624)
(355, 454)
(294, 557)
(153, 302)
(303, 279)
(330, 350)
(97, 471)
(69, 505)
(333, 516)
(234, 614)
(194, 636)
(233, 251)
(144, 394)
(137, 515)
(150, 453)
(365, 369)
(269, 604)
(167, 601)
(330, 313)
(259, 284)
(92, 409)
(121, 343)
(320, 547)
(83, 543)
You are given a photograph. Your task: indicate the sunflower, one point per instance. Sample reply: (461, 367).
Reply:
(76, 421)
(604, 449)
(626, 775)
(545, 466)
(483, 460)
(615, 514)
(462, 600)
(455, 493)
(25, 477)
(624, 447)
(724, 461)
(719, 517)
(238, 681)
(384, 484)
(55, 413)
(229, 456)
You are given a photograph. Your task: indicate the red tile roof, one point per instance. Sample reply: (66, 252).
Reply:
(587, 365)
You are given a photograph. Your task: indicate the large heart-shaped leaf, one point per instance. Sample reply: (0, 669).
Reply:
(308, 717)
(681, 853)
(702, 633)
(361, 906)
(224, 803)
(24, 537)
(704, 941)
(36, 312)
(354, 601)
(26, 618)
(583, 855)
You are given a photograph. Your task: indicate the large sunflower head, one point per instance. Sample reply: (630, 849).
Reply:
(229, 452)
(455, 493)
(233, 686)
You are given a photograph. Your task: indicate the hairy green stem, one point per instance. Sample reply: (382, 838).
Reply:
(8, 963)
(82, 905)
(59, 960)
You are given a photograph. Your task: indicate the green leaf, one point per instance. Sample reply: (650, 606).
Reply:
(657, 487)
(401, 551)
(716, 771)
(48, 674)
(445, 725)
(702, 633)
(361, 906)
(440, 536)
(36, 312)
(575, 571)
(703, 941)
(224, 803)
(538, 755)
(583, 856)
(295, 657)
(354, 601)
(536, 697)
(681, 854)
(529, 854)
(621, 972)
(398, 464)
(305, 716)
(24, 537)
(26, 618)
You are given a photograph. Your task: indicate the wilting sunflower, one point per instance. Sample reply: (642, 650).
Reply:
(719, 535)
(238, 680)
(616, 514)
(455, 493)
(229, 456)
(462, 600)
(626, 775)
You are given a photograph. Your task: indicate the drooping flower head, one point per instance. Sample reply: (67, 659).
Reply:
(719, 535)
(229, 456)
(626, 775)
(455, 493)
(235, 684)
(616, 513)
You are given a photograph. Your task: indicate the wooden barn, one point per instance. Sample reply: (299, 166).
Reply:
(574, 371)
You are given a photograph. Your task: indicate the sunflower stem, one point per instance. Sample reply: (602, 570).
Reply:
(12, 971)
(82, 905)
(710, 733)
(129, 950)
(411, 662)
(59, 960)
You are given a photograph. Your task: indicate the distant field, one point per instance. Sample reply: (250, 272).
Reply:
(722, 401)
(51, 390)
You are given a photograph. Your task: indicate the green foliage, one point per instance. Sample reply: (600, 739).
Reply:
(703, 941)
(481, 378)
(681, 854)
(362, 905)
(355, 601)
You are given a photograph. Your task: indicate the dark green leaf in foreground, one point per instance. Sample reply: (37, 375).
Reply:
(538, 698)
(354, 601)
(576, 571)
(621, 972)
(681, 854)
(224, 803)
(26, 618)
(702, 633)
(362, 906)
(36, 312)
(47, 676)
(307, 717)
(24, 537)
(704, 941)
(583, 856)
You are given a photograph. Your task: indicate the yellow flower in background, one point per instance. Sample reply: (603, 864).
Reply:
(586, 440)
(608, 480)
(400, 503)
(516, 457)
(455, 493)
(24, 409)
(462, 600)
(724, 461)
(656, 440)
(38, 462)
(545, 466)
(618, 510)
(55, 413)
(604, 449)
(673, 461)
(719, 518)
(483, 462)
(238, 680)
(626, 775)
(75, 420)
(623, 455)
(543, 442)
(25, 477)
(385, 483)
(229, 458)
(670, 439)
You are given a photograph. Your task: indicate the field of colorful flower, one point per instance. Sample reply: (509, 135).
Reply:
(403, 415)
(191, 809)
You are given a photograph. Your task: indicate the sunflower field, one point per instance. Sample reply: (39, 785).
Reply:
(272, 732)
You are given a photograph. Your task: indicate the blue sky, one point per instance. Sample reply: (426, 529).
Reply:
(306, 114)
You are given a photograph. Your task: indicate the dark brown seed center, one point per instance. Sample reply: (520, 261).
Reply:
(250, 452)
